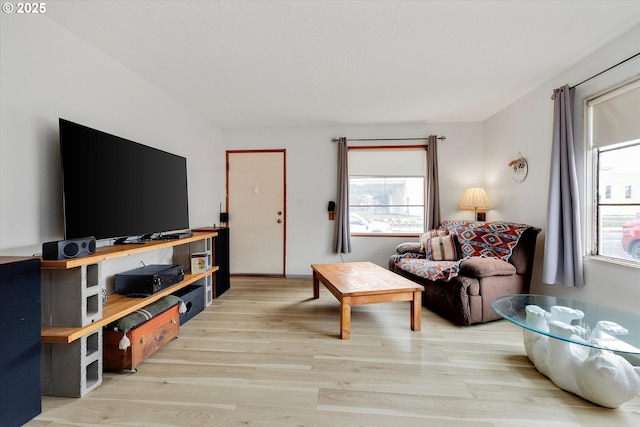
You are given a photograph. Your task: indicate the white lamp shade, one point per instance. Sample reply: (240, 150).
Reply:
(475, 198)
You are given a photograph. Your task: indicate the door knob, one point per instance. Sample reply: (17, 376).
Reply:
(279, 221)
(279, 212)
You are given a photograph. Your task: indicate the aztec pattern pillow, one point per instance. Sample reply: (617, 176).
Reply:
(443, 248)
(430, 234)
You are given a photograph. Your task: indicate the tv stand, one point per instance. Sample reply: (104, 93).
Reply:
(73, 315)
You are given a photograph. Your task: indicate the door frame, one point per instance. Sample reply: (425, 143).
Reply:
(284, 198)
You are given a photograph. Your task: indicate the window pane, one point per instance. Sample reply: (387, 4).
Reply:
(618, 225)
(386, 204)
(613, 130)
(613, 221)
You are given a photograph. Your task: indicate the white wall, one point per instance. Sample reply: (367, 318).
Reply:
(473, 154)
(46, 73)
(526, 127)
(311, 182)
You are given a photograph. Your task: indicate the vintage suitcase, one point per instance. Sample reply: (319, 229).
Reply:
(145, 339)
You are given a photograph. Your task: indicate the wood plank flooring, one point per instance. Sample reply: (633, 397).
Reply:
(267, 354)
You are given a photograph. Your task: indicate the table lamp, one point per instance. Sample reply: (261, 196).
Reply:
(475, 198)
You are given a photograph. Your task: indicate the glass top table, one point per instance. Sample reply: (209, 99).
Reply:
(573, 321)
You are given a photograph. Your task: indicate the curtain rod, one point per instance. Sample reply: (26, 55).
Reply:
(441, 137)
(604, 71)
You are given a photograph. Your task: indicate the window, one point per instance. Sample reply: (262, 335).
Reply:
(387, 189)
(614, 141)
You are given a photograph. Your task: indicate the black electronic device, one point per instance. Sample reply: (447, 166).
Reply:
(149, 279)
(113, 187)
(65, 249)
(224, 216)
(176, 236)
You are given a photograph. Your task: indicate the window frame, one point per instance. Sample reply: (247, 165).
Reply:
(416, 147)
(592, 179)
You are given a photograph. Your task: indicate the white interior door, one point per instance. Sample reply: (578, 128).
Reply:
(257, 217)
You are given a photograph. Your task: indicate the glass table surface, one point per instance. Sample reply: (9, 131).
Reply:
(592, 325)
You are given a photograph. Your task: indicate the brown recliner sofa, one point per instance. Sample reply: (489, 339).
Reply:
(465, 297)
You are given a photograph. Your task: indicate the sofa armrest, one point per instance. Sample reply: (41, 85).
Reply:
(486, 267)
(408, 247)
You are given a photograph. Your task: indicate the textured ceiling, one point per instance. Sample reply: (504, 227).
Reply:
(306, 63)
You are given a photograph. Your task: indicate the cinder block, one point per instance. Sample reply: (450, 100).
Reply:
(71, 297)
(203, 245)
(208, 289)
(74, 369)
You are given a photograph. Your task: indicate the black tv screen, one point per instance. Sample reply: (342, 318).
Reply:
(114, 188)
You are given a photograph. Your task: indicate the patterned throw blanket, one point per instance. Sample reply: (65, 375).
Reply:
(489, 240)
(417, 265)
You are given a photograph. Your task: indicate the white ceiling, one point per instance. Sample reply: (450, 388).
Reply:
(307, 63)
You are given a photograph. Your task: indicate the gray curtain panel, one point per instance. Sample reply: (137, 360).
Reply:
(432, 216)
(563, 243)
(342, 236)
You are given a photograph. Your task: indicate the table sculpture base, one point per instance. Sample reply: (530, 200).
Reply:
(597, 375)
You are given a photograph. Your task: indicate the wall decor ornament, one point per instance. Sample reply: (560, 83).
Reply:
(520, 168)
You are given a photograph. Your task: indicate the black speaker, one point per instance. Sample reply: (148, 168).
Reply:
(65, 249)
(221, 278)
(224, 217)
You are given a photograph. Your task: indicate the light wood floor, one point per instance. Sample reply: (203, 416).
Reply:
(266, 354)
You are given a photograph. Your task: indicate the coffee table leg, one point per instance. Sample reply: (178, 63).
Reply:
(316, 286)
(345, 318)
(416, 311)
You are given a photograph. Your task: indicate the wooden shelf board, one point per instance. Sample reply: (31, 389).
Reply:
(116, 307)
(112, 252)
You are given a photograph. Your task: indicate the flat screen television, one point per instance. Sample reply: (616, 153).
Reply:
(116, 188)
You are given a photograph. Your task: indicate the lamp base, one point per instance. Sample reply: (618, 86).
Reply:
(481, 216)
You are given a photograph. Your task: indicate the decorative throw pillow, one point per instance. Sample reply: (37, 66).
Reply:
(443, 248)
(428, 235)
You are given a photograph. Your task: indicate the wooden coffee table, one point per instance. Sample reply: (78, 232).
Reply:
(356, 283)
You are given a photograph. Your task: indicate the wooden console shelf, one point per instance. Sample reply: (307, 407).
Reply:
(112, 252)
(116, 307)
